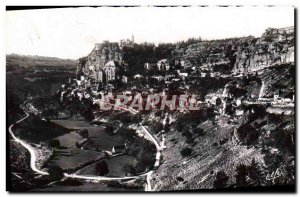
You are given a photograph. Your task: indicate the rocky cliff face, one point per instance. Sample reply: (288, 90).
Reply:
(276, 46)
(99, 56)
(233, 55)
(241, 55)
(208, 53)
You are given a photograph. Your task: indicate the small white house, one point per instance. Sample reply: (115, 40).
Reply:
(127, 92)
(239, 112)
(137, 76)
(80, 95)
(78, 82)
(163, 64)
(238, 102)
(124, 79)
(183, 74)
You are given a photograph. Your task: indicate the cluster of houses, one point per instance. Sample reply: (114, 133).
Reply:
(100, 69)
(103, 65)
(280, 98)
(225, 103)
(162, 65)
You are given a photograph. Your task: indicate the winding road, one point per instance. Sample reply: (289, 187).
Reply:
(261, 90)
(28, 147)
(33, 160)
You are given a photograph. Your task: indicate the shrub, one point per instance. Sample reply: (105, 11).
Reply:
(55, 143)
(109, 129)
(84, 133)
(186, 152)
(129, 169)
(248, 134)
(157, 127)
(180, 179)
(55, 172)
(241, 175)
(255, 173)
(221, 180)
(199, 131)
(102, 168)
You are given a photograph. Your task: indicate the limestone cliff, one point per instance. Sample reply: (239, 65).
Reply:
(240, 55)
(101, 54)
(276, 46)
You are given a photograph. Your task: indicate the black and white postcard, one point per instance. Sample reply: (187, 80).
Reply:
(150, 98)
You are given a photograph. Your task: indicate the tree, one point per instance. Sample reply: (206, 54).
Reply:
(85, 133)
(129, 169)
(186, 152)
(55, 143)
(248, 134)
(241, 175)
(147, 158)
(254, 173)
(50, 113)
(221, 180)
(102, 168)
(55, 172)
(157, 127)
(199, 131)
(109, 129)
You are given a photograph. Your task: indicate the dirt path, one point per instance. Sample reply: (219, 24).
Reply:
(28, 147)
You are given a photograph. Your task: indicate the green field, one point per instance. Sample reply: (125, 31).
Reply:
(68, 157)
(78, 158)
(115, 164)
(97, 137)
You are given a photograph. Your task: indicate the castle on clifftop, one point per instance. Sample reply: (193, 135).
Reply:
(104, 62)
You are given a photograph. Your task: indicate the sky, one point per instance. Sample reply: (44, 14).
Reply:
(72, 32)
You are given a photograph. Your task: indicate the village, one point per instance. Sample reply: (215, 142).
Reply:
(150, 98)
(162, 86)
(122, 122)
(103, 77)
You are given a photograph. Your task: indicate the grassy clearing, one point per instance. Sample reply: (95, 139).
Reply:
(73, 124)
(102, 141)
(70, 162)
(98, 139)
(69, 139)
(116, 166)
(69, 157)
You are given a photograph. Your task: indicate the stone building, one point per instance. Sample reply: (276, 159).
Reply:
(103, 63)
(127, 43)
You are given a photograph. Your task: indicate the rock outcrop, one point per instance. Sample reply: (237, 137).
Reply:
(103, 55)
(232, 55)
(241, 55)
(276, 46)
